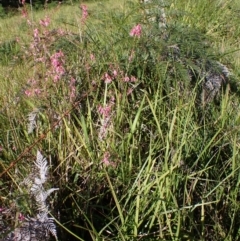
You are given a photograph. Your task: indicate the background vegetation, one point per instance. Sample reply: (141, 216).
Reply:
(135, 153)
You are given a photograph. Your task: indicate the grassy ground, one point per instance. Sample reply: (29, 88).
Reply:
(134, 151)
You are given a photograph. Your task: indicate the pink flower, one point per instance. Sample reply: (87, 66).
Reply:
(60, 70)
(105, 111)
(35, 33)
(21, 217)
(45, 22)
(28, 93)
(57, 66)
(115, 73)
(84, 12)
(56, 78)
(126, 79)
(37, 91)
(136, 31)
(105, 159)
(24, 13)
(107, 78)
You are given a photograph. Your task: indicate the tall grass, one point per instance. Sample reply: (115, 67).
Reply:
(135, 153)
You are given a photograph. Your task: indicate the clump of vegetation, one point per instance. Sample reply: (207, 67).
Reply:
(137, 113)
(39, 226)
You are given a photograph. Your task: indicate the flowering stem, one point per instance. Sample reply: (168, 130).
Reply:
(44, 135)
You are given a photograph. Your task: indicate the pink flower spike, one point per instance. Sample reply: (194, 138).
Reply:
(56, 78)
(105, 159)
(105, 111)
(45, 22)
(136, 31)
(107, 78)
(24, 13)
(126, 79)
(21, 217)
(84, 12)
(28, 93)
(37, 91)
(35, 33)
(115, 73)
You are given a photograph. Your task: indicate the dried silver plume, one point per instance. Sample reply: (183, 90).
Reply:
(39, 227)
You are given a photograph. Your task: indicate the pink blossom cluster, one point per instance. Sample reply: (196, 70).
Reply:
(106, 113)
(24, 12)
(84, 13)
(108, 77)
(45, 22)
(107, 161)
(136, 31)
(33, 90)
(35, 46)
(36, 34)
(114, 73)
(130, 79)
(54, 63)
(57, 68)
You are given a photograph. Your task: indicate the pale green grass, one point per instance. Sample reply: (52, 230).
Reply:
(62, 16)
(219, 20)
